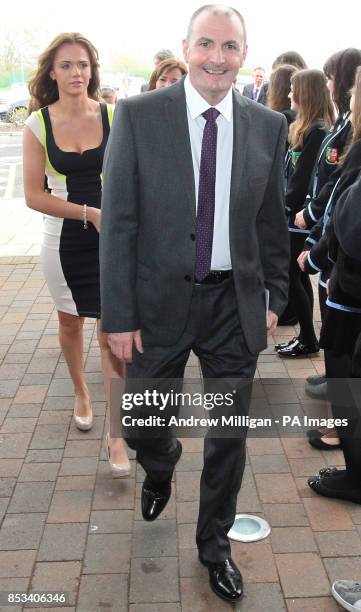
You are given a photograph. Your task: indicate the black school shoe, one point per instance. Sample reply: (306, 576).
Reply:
(299, 350)
(282, 345)
(319, 485)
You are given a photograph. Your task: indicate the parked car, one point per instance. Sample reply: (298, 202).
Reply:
(14, 103)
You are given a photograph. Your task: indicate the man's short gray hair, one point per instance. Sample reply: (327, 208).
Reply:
(163, 54)
(217, 9)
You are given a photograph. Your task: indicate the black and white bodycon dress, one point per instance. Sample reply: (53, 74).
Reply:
(70, 253)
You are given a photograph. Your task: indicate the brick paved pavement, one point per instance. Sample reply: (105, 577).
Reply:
(67, 525)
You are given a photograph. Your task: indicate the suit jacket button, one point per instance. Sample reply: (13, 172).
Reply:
(187, 278)
(193, 236)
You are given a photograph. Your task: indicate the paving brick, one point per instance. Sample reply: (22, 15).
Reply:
(23, 346)
(187, 512)
(70, 507)
(12, 371)
(306, 466)
(190, 462)
(276, 488)
(17, 357)
(257, 594)
(106, 591)
(83, 466)
(264, 446)
(269, 464)
(111, 521)
(298, 448)
(338, 543)
(157, 539)
(16, 564)
(255, 561)
(63, 542)
(57, 577)
(31, 394)
(49, 436)
(187, 535)
(36, 379)
(24, 411)
(286, 515)
(82, 448)
(113, 494)
(52, 455)
(42, 365)
(8, 388)
(75, 483)
(22, 531)
(14, 446)
(302, 575)
(343, 568)
(327, 515)
(197, 597)
(292, 539)
(190, 566)
(10, 467)
(18, 425)
(7, 486)
(31, 497)
(312, 604)
(248, 500)
(154, 580)
(303, 488)
(158, 607)
(107, 553)
(11, 586)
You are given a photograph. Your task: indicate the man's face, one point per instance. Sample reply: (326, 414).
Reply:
(258, 77)
(215, 52)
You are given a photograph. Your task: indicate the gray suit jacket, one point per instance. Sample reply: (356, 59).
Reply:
(262, 98)
(147, 247)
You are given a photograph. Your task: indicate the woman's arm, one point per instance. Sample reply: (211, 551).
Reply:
(35, 196)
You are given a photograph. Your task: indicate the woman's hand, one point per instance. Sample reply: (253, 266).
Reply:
(94, 216)
(300, 221)
(301, 260)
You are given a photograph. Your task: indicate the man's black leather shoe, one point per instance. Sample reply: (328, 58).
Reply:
(299, 350)
(153, 500)
(282, 345)
(225, 579)
(155, 497)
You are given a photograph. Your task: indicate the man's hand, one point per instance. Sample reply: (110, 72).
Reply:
(300, 221)
(301, 260)
(121, 345)
(272, 320)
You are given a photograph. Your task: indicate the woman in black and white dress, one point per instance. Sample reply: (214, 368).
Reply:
(65, 139)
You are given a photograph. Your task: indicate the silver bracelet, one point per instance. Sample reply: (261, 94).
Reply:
(85, 218)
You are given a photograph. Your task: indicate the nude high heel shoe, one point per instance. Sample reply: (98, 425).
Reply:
(84, 423)
(118, 470)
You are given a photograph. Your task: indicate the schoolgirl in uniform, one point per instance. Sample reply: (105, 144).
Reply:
(317, 259)
(311, 100)
(341, 335)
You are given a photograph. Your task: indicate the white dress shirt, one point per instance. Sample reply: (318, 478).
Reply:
(196, 105)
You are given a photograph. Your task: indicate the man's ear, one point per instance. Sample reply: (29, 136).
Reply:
(185, 50)
(244, 54)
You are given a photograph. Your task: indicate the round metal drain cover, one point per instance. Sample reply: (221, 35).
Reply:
(249, 528)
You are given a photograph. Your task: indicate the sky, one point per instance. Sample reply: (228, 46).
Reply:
(138, 28)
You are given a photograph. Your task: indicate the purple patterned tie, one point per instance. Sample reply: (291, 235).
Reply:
(206, 195)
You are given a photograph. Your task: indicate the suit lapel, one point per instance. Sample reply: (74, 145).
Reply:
(176, 116)
(240, 139)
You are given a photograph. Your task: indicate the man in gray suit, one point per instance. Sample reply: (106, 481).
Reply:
(193, 231)
(257, 91)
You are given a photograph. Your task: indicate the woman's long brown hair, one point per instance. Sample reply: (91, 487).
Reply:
(314, 101)
(279, 88)
(43, 90)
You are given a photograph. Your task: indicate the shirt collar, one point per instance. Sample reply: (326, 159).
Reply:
(197, 105)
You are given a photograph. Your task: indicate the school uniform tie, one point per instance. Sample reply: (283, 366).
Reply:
(206, 195)
(255, 93)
